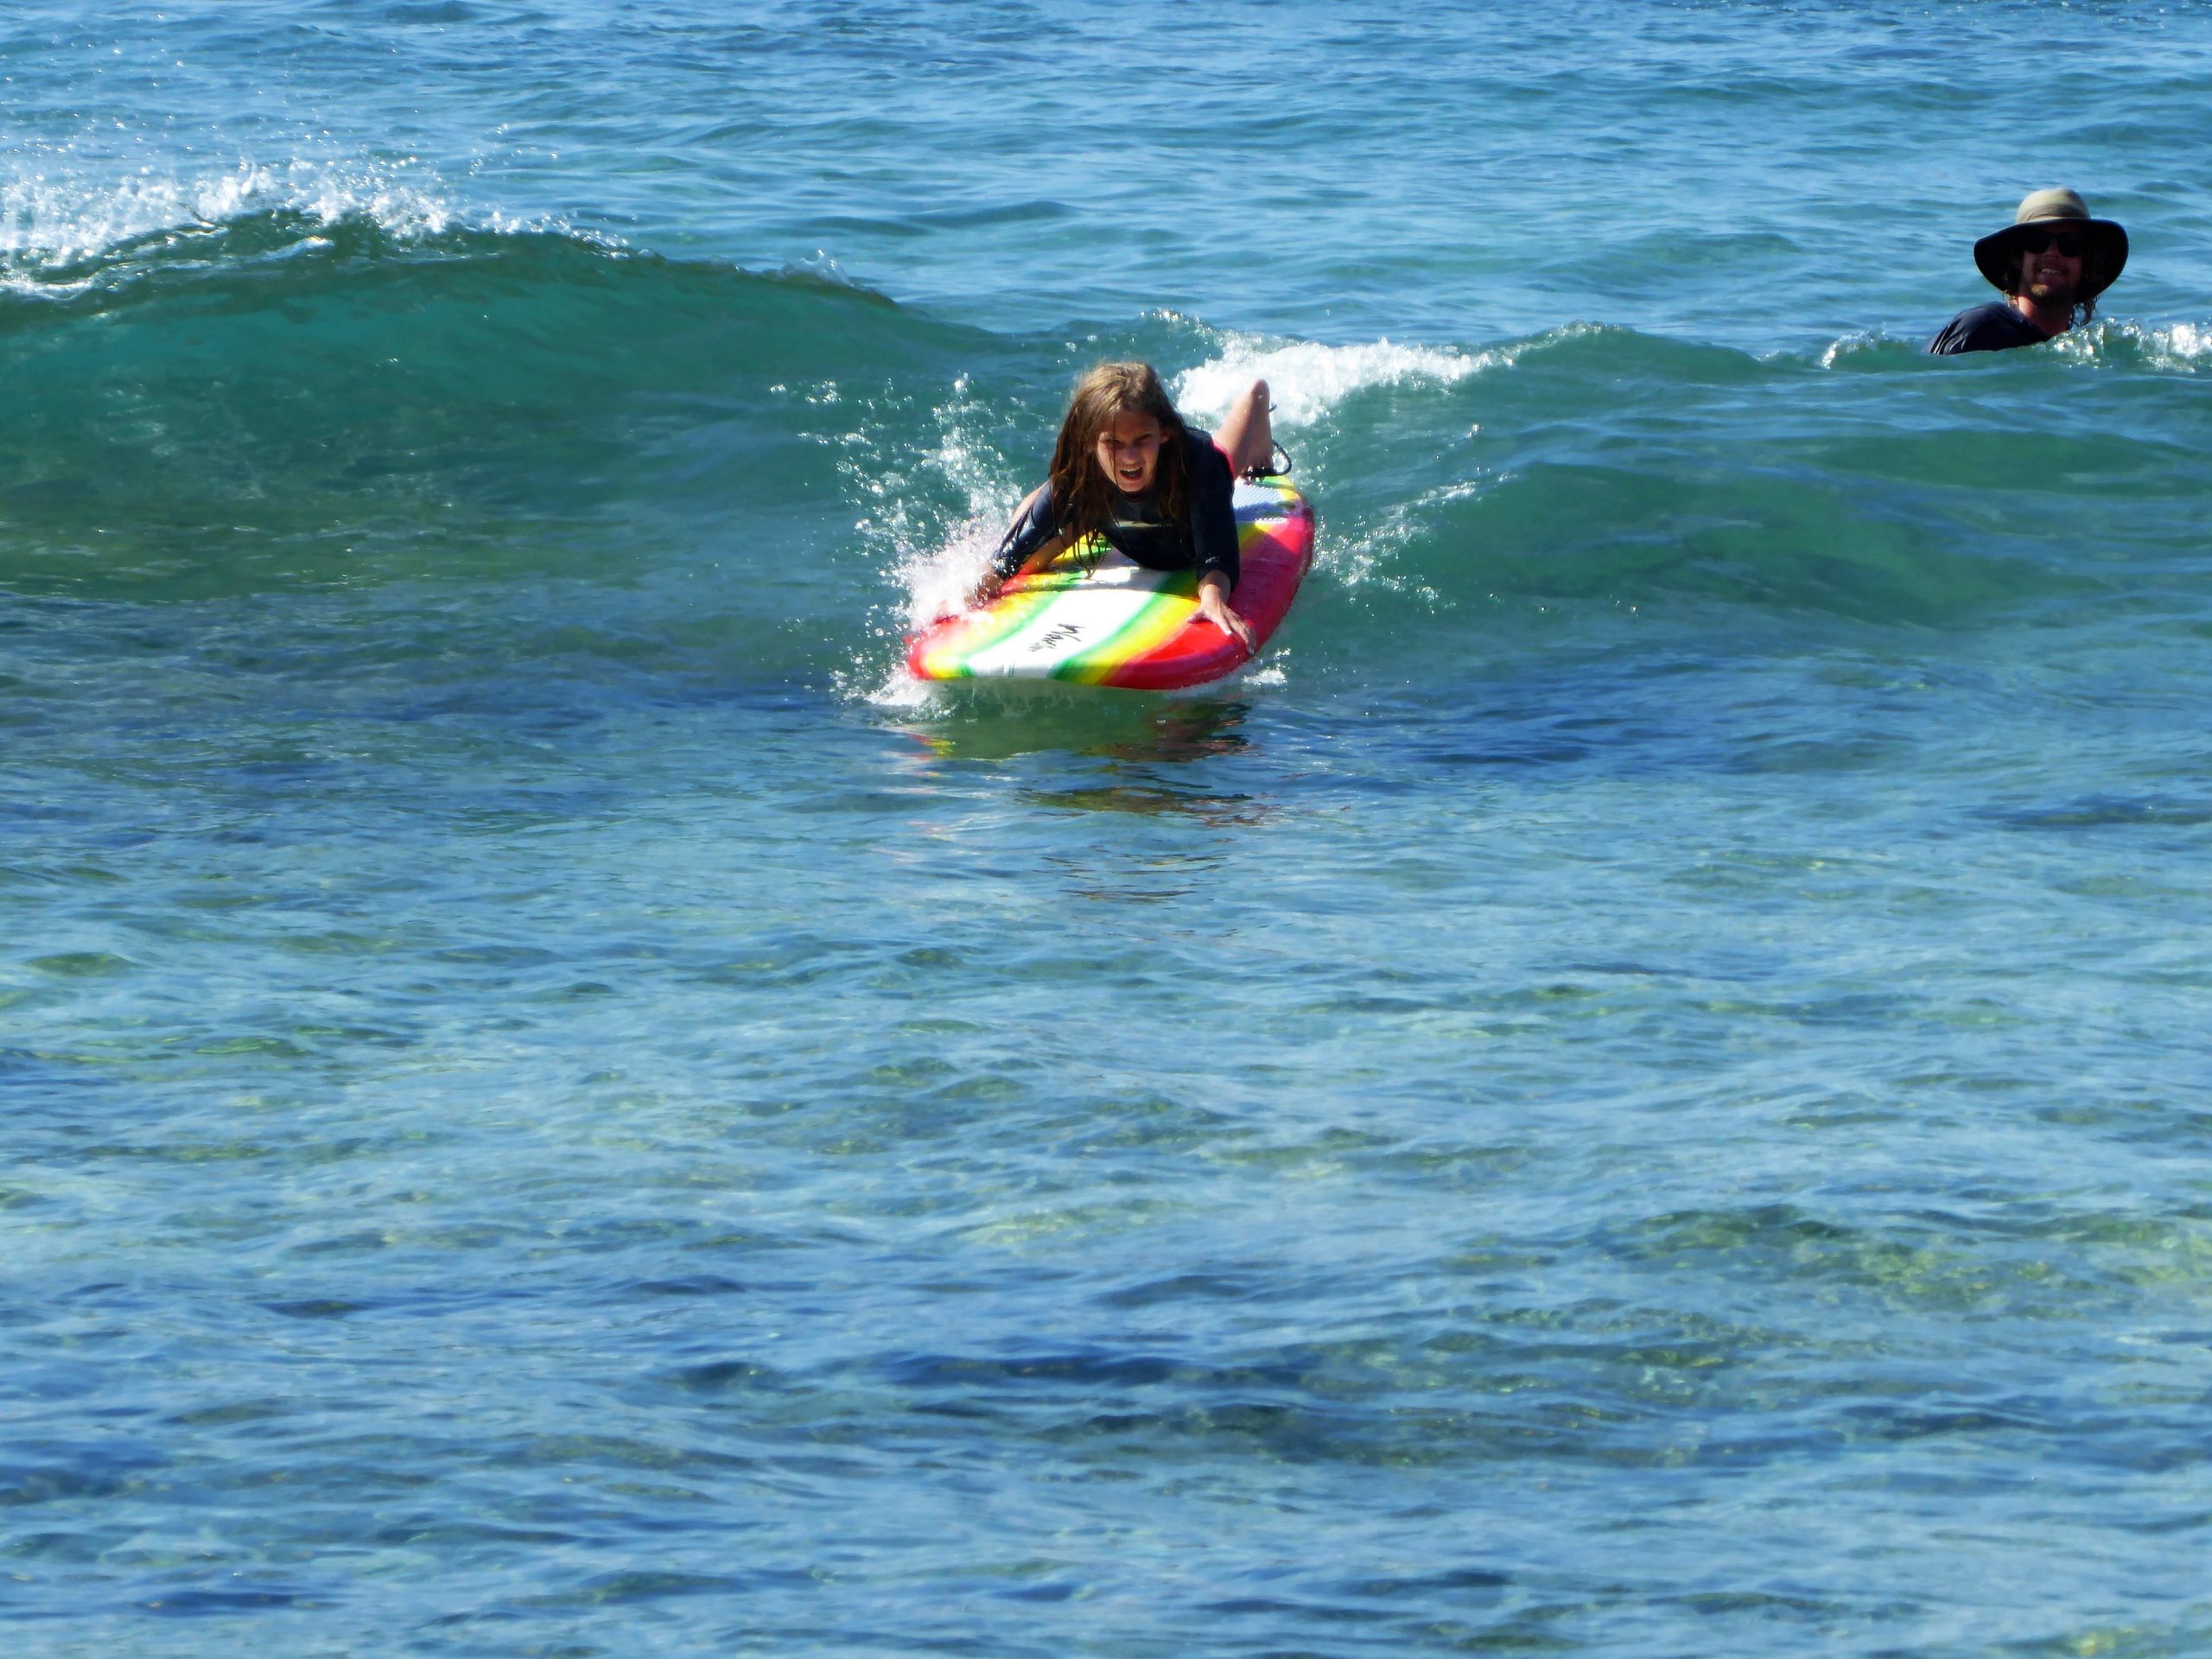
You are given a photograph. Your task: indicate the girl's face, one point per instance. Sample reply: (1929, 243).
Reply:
(1129, 452)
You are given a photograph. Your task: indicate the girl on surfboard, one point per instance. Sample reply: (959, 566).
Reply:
(1128, 468)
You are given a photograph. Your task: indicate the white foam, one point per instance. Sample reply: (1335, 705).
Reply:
(1863, 343)
(2186, 346)
(937, 580)
(1306, 379)
(934, 569)
(2179, 346)
(52, 213)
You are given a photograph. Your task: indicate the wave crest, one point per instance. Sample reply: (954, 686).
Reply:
(1308, 380)
(50, 223)
(2183, 348)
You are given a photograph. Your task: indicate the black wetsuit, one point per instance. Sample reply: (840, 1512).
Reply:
(1208, 540)
(1992, 327)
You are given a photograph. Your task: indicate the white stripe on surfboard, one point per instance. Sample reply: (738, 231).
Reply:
(1072, 624)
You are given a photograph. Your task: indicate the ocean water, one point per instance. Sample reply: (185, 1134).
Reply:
(1638, 1088)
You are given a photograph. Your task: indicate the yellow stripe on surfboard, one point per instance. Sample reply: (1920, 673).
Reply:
(1161, 620)
(1012, 614)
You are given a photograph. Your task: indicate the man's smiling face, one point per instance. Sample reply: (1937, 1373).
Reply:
(2049, 274)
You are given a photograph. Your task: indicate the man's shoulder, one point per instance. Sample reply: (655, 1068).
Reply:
(1995, 326)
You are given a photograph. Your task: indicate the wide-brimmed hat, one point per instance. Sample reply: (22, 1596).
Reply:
(2106, 251)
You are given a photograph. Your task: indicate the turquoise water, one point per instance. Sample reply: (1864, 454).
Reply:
(1636, 1089)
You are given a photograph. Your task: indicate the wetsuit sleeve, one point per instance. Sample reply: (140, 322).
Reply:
(1024, 535)
(1213, 511)
(1995, 327)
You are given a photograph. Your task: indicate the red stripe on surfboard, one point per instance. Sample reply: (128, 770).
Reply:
(1272, 567)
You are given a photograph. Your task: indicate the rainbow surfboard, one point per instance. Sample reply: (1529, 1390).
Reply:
(1091, 616)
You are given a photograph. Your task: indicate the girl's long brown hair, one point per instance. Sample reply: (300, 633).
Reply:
(1083, 496)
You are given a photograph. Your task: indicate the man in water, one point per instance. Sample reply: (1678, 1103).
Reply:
(2051, 263)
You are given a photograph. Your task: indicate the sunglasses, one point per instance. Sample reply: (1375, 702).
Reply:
(2068, 242)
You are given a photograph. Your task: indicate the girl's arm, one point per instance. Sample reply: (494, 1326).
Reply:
(1030, 534)
(1213, 513)
(1213, 539)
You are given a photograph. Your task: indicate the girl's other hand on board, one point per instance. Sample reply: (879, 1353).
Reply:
(1213, 605)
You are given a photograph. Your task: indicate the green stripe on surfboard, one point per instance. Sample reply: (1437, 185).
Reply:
(1010, 616)
(1169, 601)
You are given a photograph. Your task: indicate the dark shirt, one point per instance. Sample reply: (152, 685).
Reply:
(1207, 540)
(1992, 327)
